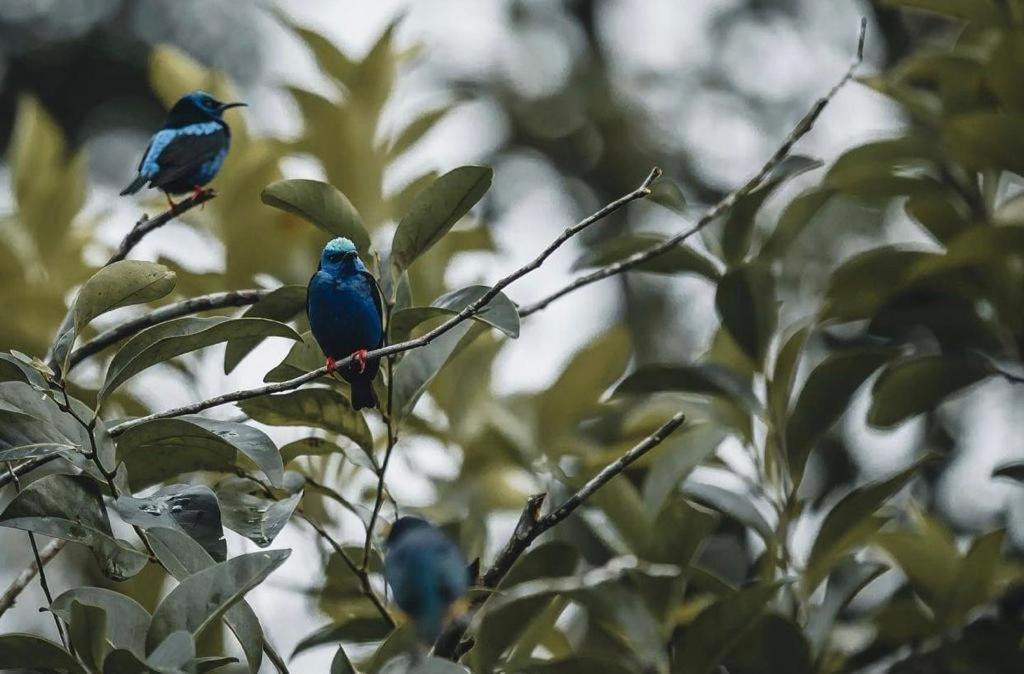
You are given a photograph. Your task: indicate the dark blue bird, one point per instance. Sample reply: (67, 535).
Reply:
(427, 574)
(344, 310)
(190, 149)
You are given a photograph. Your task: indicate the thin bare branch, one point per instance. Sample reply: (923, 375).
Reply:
(468, 312)
(531, 525)
(805, 124)
(21, 581)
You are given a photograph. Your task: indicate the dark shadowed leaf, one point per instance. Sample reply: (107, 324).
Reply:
(500, 312)
(846, 582)
(683, 451)
(914, 386)
(182, 556)
(203, 597)
(316, 407)
(87, 631)
(1013, 470)
(987, 140)
(358, 629)
(29, 652)
(680, 259)
(780, 386)
(180, 336)
(736, 506)
(702, 379)
(248, 511)
(309, 447)
(796, 217)
(321, 204)
(746, 304)
(126, 620)
(718, 629)
(435, 210)
(37, 450)
(71, 507)
(667, 194)
(420, 366)
(824, 397)
(192, 509)
(865, 282)
(280, 305)
(774, 645)
(121, 284)
(851, 522)
(340, 664)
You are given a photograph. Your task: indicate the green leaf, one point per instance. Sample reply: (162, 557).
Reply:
(681, 452)
(435, 210)
(303, 357)
(182, 556)
(248, 511)
(281, 305)
(406, 664)
(774, 645)
(30, 417)
(746, 304)
(719, 628)
(163, 448)
(311, 446)
(851, 523)
(29, 652)
(180, 336)
(38, 450)
(914, 386)
(866, 282)
(738, 228)
(192, 509)
(341, 664)
(121, 284)
(780, 386)
(667, 194)
(355, 628)
(419, 367)
(680, 259)
(1013, 470)
(317, 407)
(88, 634)
(846, 582)
(321, 204)
(203, 597)
(701, 379)
(796, 217)
(415, 131)
(173, 653)
(71, 507)
(987, 140)
(126, 620)
(500, 312)
(736, 506)
(824, 398)
(981, 11)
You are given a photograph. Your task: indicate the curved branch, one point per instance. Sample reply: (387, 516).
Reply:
(531, 525)
(21, 581)
(802, 128)
(467, 312)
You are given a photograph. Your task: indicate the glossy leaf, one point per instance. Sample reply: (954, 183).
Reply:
(192, 509)
(249, 512)
(281, 305)
(321, 204)
(317, 407)
(435, 210)
(355, 628)
(746, 304)
(420, 366)
(87, 632)
(126, 619)
(914, 386)
(174, 338)
(865, 282)
(311, 446)
(683, 451)
(340, 664)
(736, 506)
(500, 312)
(121, 284)
(680, 259)
(845, 583)
(667, 194)
(29, 652)
(203, 597)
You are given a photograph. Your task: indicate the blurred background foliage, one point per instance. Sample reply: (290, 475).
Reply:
(846, 341)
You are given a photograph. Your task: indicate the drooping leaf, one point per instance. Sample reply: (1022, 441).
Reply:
(280, 305)
(192, 509)
(203, 597)
(413, 132)
(321, 204)
(796, 217)
(683, 451)
(29, 652)
(846, 582)
(121, 284)
(435, 210)
(419, 367)
(311, 446)
(87, 631)
(701, 379)
(667, 194)
(303, 357)
(746, 304)
(249, 512)
(736, 506)
(500, 312)
(866, 282)
(126, 620)
(317, 407)
(681, 259)
(340, 664)
(1013, 470)
(71, 507)
(163, 448)
(354, 628)
(182, 556)
(780, 385)
(180, 336)
(774, 645)
(914, 386)
(824, 397)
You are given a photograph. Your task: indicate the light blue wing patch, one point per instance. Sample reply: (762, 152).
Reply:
(161, 139)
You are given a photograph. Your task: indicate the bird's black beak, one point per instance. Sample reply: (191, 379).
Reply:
(225, 106)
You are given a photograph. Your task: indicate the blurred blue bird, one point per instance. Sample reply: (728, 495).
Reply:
(344, 310)
(427, 574)
(190, 149)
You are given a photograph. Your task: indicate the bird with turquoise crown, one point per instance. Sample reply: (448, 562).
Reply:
(427, 574)
(188, 151)
(344, 310)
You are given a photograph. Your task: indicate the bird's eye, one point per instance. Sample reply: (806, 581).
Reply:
(335, 257)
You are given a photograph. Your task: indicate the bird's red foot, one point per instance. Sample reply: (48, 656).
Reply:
(360, 357)
(198, 192)
(332, 365)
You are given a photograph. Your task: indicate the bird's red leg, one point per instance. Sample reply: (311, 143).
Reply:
(332, 365)
(197, 192)
(360, 357)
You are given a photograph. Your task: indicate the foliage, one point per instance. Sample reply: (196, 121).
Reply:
(661, 570)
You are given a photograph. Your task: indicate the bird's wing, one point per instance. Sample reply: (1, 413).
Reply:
(376, 299)
(174, 153)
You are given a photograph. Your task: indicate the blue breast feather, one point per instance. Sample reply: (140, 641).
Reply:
(161, 139)
(426, 573)
(343, 314)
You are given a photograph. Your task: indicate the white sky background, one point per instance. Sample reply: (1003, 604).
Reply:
(781, 61)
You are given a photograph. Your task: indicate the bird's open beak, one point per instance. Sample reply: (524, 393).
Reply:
(225, 106)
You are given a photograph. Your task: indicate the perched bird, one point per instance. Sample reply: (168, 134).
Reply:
(344, 310)
(187, 153)
(427, 574)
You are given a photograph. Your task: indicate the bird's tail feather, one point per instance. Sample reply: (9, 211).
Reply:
(135, 186)
(363, 394)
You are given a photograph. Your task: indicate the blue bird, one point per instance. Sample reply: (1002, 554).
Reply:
(344, 311)
(427, 574)
(190, 149)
